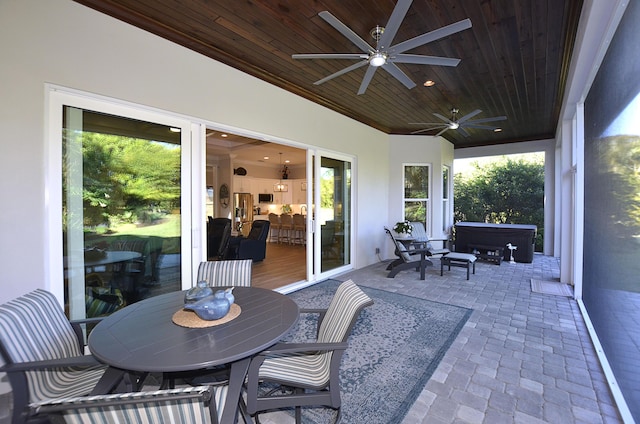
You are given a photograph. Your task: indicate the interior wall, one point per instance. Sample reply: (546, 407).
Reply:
(66, 44)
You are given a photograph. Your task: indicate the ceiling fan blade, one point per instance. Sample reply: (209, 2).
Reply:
(342, 72)
(463, 131)
(425, 60)
(439, 124)
(443, 131)
(396, 18)
(367, 79)
(430, 129)
(399, 75)
(346, 31)
(481, 127)
(329, 56)
(468, 116)
(431, 36)
(497, 118)
(442, 117)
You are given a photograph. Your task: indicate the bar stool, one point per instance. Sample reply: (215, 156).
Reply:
(299, 228)
(286, 228)
(274, 223)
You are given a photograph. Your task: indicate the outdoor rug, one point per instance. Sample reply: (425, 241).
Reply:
(551, 287)
(393, 350)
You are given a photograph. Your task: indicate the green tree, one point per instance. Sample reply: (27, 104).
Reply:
(620, 177)
(128, 179)
(506, 191)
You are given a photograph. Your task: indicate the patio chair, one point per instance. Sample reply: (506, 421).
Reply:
(43, 352)
(202, 404)
(226, 273)
(310, 369)
(408, 258)
(421, 239)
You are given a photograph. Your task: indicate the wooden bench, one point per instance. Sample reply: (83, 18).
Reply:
(463, 260)
(488, 253)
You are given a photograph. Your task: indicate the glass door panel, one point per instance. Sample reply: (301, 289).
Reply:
(334, 213)
(121, 210)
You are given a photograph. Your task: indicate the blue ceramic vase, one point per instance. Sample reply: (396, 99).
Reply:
(200, 291)
(211, 307)
(229, 295)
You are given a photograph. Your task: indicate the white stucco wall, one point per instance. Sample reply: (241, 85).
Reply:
(64, 43)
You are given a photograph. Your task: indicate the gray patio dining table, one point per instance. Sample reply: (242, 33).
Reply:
(143, 338)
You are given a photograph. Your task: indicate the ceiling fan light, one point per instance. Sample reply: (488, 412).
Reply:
(377, 59)
(454, 126)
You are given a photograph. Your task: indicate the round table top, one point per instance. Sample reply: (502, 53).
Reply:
(142, 336)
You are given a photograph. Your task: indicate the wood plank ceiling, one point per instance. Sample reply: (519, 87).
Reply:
(514, 59)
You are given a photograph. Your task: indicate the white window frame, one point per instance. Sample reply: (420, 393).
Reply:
(427, 200)
(446, 200)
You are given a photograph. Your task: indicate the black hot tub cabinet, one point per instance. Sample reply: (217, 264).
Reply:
(499, 235)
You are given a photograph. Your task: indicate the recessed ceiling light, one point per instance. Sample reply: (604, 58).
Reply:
(497, 130)
(173, 129)
(287, 161)
(224, 135)
(429, 83)
(266, 158)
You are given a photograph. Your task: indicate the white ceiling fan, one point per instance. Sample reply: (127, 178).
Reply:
(459, 124)
(384, 54)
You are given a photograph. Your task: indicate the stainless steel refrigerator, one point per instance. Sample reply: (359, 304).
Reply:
(243, 212)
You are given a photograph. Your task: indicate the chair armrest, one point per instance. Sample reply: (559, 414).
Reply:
(74, 361)
(86, 321)
(418, 251)
(285, 348)
(76, 324)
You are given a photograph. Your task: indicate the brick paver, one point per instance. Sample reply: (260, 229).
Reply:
(522, 357)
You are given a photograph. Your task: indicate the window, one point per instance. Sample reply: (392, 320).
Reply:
(416, 194)
(445, 198)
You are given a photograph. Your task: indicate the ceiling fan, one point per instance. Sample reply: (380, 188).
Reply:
(459, 124)
(385, 55)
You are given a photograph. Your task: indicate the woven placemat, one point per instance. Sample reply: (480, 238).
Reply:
(189, 319)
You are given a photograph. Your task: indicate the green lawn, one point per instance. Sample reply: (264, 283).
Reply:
(167, 229)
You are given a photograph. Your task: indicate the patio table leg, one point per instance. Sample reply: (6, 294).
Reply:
(236, 379)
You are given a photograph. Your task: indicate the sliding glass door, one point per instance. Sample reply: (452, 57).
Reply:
(333, 221)
(122, 207)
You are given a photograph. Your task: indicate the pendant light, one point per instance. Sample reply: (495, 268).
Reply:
(280, 187)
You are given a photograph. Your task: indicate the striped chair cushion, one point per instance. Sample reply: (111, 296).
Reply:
(33, 327)
(226, 273)
(314, 370)
(161, 406)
